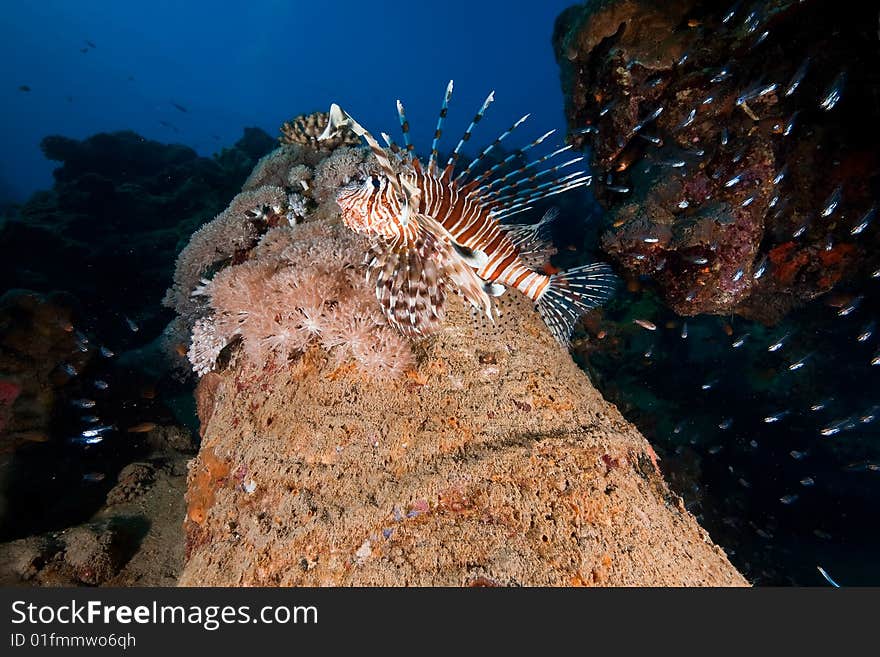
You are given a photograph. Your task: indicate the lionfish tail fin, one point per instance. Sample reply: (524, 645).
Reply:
(572, 293)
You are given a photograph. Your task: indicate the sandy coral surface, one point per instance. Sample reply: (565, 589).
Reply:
(493, 462)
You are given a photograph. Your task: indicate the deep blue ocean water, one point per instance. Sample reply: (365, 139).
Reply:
(261, 63)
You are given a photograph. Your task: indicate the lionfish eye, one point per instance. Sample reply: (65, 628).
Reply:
(375, 181)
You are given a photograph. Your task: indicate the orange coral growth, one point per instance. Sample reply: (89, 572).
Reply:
(204, 482)
(787, 262)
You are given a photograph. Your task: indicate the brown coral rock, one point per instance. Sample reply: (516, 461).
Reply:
(306, 128)
(470, 471)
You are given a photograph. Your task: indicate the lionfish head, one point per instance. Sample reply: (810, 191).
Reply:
(371, 206)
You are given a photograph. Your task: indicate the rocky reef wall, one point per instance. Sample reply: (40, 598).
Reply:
(734, 144)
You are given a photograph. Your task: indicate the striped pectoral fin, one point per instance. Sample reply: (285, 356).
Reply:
(572, 293)
(409, 286)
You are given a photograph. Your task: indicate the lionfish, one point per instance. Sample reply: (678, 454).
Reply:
(431, 229)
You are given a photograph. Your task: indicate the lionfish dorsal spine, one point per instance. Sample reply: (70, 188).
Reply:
(476, 161)
(438, 131)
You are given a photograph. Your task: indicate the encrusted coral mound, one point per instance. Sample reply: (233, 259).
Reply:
(305, 128)
(276, 273)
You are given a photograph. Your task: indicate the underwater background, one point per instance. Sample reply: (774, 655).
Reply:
(759, 400)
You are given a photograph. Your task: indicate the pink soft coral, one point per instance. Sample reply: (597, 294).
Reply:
(304, 286)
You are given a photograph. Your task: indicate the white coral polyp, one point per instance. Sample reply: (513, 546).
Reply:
(205, 346)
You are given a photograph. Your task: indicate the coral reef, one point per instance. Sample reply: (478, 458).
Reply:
(278, 273)
(731, 144)
(116, 217)
(495, 461)
(305, 128)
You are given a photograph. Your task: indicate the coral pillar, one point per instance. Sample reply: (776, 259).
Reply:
(494, 462)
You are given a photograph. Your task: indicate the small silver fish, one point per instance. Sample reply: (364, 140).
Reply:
(827, 577)
(649, 352)
(832, 429)
(789, 499)
(742, 482)
(740, 341)
(678, 428)
(733, 181)
(819, 406)
(832, 202)
(699, 260)
(790, 124)
(808, 481)
(657, 141)
(725, 424)
(833, 94)
(645, 324)
(760, 269)
(756, 92)
(93, 477)
(100, 384)
(106, 353)
(866, 219)
(798, 364)
(747, 202)
(737, 275)
(686, 121)
(800, 230)
(585, 131)
(867, 332)
(650, 240)
(684, 331)
(796, 455)
(875, 273)
(93, 440)
(730, 13)
(84, 403)
(869, 416)
(725, 136)
(779, 177)
(722, 75)
(97, 431)
(708, 100)
(683, 205)
(69, 369)
(90, 419)
(798, 77)
(709, 384)
(620, 189)
(876, 359)
(776, 417)
(714, 449)
(851, 307)
(776, 346)
(134, 328)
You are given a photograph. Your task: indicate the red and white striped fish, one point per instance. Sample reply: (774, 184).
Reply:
(431, 229)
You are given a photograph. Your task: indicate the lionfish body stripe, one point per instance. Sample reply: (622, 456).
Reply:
(431, 231)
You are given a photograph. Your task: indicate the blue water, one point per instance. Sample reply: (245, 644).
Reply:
(259, 65)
